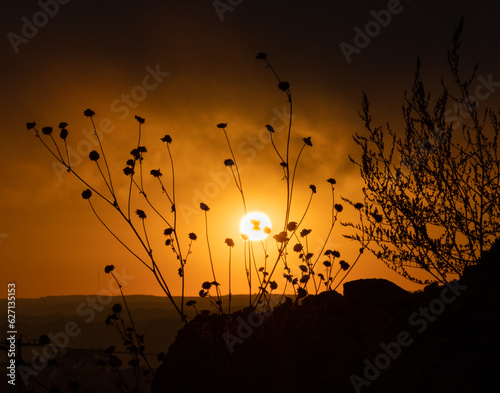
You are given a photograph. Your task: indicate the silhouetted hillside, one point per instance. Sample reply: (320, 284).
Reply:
(375, 338)
(153, 316)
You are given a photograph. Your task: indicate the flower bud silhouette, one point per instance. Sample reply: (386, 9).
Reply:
(88, 113)
(86, 194)
(94, 155)
(167, 138)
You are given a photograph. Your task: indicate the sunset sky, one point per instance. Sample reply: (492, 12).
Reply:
(185, 67)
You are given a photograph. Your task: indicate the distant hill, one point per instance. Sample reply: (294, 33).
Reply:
(154, 316)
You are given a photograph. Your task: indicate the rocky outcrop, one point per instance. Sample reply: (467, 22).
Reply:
(375, 338)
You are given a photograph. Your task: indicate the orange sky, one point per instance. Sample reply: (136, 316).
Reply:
(89, 55)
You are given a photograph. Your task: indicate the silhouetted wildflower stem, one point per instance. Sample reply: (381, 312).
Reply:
(306, 209)
(271, 131)
(103, 177)
(352, 266)
(91, 116)
(151, 204)
(281, 254)
(174, 210)
(285, 87)
(230, 244)
(264, 248)
(205, 208)
(293, 173)
(69, 169)
(238, 183)
(249, 273)
(333, 221)
(131, 322)
(255, 265)
(116, 237)
(247, 270)
(57, 148)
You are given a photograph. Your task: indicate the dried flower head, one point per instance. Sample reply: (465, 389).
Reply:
(270, 128)
(336, 254)
(305, 232)
(338, 207)
(128, 171)
(327, 263)
(156, 173)
(267, 230)
(280, 237)
(273, 285)
(63, 124)
(313, 188)
(141, 214)
(117, 308)
(192, 236)
(292, 225)
(86, 194)
(47, 130)
(168, 231)
(228, 162)
(331, 181)
(136, 154)
(222, 125)
(229, 242)
(344, 265)
(358, 206)
(204, 207)
(307, 141)
(206, 285)
(304, 278)
(109, 268)
(94, 155)
(298, 247)
(31, 125)
(167, 138)
(139, 119)
(261, 56)
(88, 113)
(284, 86)
(244, 236)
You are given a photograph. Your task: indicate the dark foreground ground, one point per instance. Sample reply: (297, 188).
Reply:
(375, 338)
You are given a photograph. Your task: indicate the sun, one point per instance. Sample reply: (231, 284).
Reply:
(256, 226)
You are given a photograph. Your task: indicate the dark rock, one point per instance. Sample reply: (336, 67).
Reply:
(319, 343)
(376, 292)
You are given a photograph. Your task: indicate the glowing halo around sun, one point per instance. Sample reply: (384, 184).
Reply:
(255, 226)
